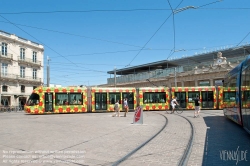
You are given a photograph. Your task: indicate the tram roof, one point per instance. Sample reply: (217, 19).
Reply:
(195, 59)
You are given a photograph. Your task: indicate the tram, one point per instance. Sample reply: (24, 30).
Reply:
(103, 99)
(210, 96)
(47, 100)
(44, 100)
(236, 94)
(154, 98)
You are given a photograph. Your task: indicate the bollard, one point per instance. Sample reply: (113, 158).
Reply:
(138, 117)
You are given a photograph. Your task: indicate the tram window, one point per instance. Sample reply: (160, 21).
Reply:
(232, 81)
(246, 96)
(192, 95)
(229, 96)
(247, 77)
(113, 97)
(75, 98)
(33, 100)
(154, 97)
(61, 99)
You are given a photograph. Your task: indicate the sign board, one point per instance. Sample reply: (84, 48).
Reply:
(138, 117)
(218, 82)
(204, 83)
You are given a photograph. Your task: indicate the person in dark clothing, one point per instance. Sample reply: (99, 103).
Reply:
(197, 106)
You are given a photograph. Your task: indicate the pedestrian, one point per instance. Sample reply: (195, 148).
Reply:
(125, 106)
(174, 103)
(117, 109)
(197, 106)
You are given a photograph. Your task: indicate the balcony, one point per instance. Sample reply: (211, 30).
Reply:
(26, 79)
(5, 77)
(29, 62)
(8, 57)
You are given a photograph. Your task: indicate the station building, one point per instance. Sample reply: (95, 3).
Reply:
(206, 69)
(21, 68)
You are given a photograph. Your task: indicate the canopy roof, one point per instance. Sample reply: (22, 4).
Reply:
(196, 59)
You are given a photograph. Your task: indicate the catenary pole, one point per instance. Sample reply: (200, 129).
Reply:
(115, 76)
(48, 72)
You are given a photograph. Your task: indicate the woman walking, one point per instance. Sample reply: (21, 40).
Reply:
(197, 107)
(117, 109)
(125, 106)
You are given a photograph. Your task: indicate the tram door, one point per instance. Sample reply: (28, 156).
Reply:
(207, 99)
(48, 102)
(130, 99)
(100, 101)
(181, 99)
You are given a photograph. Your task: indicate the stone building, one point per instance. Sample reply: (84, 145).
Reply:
(206, 69)
(21, 68)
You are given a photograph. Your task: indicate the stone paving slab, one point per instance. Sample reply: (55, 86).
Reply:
(213, 134)
(167, 148)
(104, 139)
(99, 139)
(224, 136)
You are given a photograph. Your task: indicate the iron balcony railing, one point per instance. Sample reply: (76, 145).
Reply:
(19, 77)
(6, 56)
(28, 60)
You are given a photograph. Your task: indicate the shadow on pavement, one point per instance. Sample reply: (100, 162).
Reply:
(226, 143)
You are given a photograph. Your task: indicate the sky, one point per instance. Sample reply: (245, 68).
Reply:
(84, 39)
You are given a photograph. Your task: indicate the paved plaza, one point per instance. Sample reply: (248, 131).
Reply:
(98, 139)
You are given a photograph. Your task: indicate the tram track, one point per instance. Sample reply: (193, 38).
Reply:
(184, 159)
(142, 145)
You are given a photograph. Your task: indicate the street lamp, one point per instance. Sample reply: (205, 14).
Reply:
(48, 72)
(182, 9)
(175, 83)
(115, 76)
(179, 50)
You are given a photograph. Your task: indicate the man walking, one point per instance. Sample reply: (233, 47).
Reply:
(197, 106)
(173, 104)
